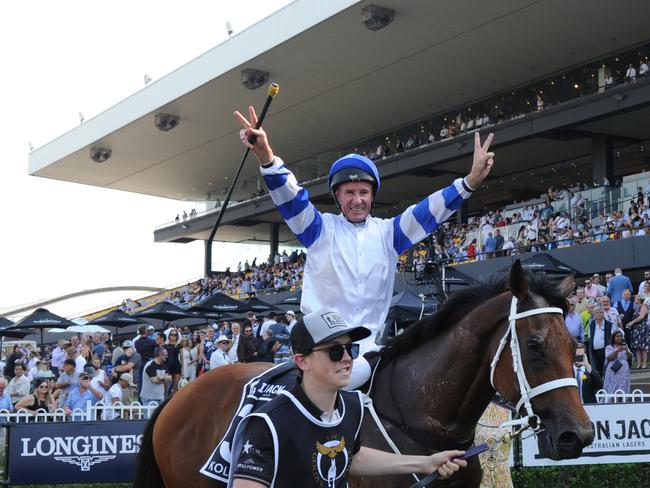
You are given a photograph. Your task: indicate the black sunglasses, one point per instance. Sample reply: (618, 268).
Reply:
(336, 352)
(173, 335)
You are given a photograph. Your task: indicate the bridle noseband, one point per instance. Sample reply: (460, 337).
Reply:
(531, 420)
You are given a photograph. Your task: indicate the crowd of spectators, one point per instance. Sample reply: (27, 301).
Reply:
(63, 378)
(610, 322)
(536, 228)
(147, 368)
(281, 272)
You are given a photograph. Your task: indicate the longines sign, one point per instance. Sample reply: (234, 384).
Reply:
(74, 452)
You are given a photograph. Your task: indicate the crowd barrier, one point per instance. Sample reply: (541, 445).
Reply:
(52, 447)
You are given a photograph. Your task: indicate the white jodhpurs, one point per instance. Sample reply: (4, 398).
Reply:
(361, 367)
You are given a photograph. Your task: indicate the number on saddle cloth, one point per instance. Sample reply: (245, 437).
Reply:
(256, 393)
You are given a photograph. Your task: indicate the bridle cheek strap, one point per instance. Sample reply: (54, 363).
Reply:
(527, 393)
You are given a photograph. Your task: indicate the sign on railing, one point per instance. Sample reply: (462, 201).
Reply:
(622, 435)
(73, 452)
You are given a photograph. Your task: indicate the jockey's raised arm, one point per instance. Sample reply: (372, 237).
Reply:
(353, 255)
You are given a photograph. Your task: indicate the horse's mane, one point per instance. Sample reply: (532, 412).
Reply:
(464, 301)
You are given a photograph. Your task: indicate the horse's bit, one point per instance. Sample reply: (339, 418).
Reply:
(531, 420)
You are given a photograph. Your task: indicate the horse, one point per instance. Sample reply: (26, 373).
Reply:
(429, 390)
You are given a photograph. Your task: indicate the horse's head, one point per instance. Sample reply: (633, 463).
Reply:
(546, 352)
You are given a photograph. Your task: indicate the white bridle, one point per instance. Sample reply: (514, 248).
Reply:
(527, 393)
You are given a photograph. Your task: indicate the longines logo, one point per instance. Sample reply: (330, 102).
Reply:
(82, 451)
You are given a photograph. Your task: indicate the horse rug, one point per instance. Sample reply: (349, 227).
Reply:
(256, 393)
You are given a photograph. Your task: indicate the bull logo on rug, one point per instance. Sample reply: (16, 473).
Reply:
(330, 461)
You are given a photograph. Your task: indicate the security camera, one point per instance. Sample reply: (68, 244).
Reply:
(166, 122)
(100, 154)
(254, 78)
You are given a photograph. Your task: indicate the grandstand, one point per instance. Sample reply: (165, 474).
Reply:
(344, 88)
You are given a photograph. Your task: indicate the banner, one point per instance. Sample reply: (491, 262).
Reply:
(621, 435)
(73, 452)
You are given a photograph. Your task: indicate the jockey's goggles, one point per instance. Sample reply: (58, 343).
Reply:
(336, 352)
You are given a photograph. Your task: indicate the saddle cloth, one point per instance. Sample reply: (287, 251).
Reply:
(256, 393)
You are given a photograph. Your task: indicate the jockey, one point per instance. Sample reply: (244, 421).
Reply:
(352, 257)
(309, 436)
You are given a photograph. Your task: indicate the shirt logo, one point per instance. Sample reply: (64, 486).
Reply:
(330, 461)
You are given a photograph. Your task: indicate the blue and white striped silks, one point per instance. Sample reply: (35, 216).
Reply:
(351, 267)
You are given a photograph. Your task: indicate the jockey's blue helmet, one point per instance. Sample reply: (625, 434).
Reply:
(353, 167)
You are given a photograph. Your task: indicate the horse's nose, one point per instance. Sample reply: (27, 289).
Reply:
(570, 443)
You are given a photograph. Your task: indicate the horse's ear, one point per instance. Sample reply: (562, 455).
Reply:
(518, 281)
(566, 285)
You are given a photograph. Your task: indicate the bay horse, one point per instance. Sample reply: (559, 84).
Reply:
(430, 389)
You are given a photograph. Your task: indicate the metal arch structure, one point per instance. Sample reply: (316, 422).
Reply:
(77, 294)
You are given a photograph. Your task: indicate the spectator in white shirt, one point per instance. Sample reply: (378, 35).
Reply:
(115, 395)
(630, 74)
(219, 355)
(232, 352)
(18, 387)
(643, 68)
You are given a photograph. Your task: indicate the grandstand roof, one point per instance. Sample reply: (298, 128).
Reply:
(339, 83)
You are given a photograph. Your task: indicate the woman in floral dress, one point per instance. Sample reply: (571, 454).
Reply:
(640, 332)
(617, 353)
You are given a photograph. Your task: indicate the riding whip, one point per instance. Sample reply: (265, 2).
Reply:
(274, 88)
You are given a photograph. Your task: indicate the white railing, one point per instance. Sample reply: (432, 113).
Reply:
(92, 412)
(620, 396)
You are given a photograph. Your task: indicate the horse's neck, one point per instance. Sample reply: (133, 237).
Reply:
(448, 377)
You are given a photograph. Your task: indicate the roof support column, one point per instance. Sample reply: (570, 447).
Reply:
(603, 159)
(275, 238)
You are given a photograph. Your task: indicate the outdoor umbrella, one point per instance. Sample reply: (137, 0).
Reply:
(41, 319)
(292, 299)
(257, 305)
(406, 305)
(221, 303)
(210, 314)
(117, 319)
(164, 311)
(14, 334)
(545, 262)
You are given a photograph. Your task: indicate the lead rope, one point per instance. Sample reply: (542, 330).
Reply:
(367, 402)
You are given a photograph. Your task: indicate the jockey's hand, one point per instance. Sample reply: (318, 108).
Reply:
(446, 462)
(261, 148)
(482, 163)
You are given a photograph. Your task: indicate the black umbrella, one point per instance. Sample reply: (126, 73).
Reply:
(545, 262)
(257, 305)
(164, 311)
(41, 319)
(116, 318)
(14, 334)
(221, 303)
(292, 299)
(209, 314)
(406, 305)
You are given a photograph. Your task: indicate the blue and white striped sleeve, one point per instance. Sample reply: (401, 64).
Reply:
(292, 200)
(420, 220)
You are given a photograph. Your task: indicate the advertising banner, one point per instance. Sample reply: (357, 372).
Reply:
(74, 452)
(622, 435)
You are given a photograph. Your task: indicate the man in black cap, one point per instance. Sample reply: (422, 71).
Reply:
(309, 436)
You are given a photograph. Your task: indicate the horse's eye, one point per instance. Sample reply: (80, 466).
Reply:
(535, 344)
